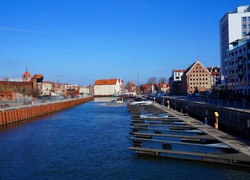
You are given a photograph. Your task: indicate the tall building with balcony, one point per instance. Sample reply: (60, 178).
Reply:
(233, 26)
(238, 67)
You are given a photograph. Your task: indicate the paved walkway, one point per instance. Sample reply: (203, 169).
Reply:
(236, 143)
(19, 104)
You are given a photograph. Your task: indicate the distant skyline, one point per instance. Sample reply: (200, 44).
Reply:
(79, 41)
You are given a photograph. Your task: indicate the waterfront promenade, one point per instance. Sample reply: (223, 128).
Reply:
(237, 150)
(17, 111)
(237, 143)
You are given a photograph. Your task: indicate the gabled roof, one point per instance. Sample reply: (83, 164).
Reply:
(192, 65)
(131, 83)
(106, 81)
(145, 86)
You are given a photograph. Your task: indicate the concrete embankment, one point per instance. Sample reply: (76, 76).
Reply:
(235, 121)
(10, 115)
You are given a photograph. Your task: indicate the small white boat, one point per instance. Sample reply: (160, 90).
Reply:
(154, 116)
(119, 100)
(141, 102)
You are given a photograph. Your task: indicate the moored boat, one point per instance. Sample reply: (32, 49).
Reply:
(154, 116)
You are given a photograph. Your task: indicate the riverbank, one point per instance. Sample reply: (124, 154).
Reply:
(21, 112)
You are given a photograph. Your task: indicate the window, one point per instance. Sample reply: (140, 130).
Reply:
(244, 18)
(244, 26)
(248, 18)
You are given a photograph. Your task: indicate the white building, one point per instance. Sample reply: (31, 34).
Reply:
(215, 77)
(108, 87)
(177, 74)
(84, 90)
(233, 25)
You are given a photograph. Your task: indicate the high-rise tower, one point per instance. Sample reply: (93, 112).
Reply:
(233, 26)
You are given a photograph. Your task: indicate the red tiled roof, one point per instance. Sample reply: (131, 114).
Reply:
(37, 76)
(106, 81)
(145, 86)
(26, 74)
(131, 83)
(183, 70)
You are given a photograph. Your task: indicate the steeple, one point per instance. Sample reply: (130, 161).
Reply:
(26, 76)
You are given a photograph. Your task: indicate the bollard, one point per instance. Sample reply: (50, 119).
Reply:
(216, 125)
(205, 121)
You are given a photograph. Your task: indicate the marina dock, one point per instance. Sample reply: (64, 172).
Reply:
(183, 137)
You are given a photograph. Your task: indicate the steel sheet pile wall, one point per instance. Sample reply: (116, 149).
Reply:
(13, 115)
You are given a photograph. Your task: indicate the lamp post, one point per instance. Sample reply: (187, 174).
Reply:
(23, 90)
(50, 95)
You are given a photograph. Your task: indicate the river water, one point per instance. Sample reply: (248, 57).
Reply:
(91, 141)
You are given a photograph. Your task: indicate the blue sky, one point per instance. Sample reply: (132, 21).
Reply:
(79, 41)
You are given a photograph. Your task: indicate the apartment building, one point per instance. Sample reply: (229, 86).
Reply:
(233, 26)
(238, 67)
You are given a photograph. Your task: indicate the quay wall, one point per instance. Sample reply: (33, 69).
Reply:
(11, 115)
(234, 121)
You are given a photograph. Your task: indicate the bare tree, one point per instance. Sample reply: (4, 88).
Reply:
(152, 80)
(162, 80)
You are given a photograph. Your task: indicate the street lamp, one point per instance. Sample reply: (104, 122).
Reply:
(23, 90)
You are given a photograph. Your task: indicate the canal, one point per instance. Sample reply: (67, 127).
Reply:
(91, 141)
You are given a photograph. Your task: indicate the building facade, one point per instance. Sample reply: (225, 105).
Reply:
(233, 25)
(108, 87)
(175, 81)
(215, 76)
(196, 79)
(238, 67)
(130, 87)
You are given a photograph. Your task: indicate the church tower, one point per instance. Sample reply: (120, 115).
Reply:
(26, 76)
